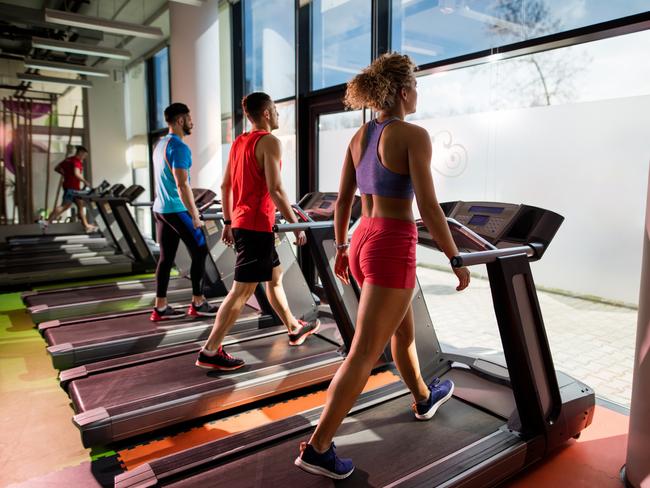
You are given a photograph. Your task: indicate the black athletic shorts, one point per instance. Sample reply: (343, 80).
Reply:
(256, 255)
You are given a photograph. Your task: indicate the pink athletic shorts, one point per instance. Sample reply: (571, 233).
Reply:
(382, 252)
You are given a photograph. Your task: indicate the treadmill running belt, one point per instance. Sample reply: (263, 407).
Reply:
(385, 442)
(175, 377)
(112, 291)
(64, 267)
(119, 327)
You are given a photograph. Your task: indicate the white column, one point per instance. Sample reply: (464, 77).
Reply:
(194, 64)
(108, 132)
(637, 466)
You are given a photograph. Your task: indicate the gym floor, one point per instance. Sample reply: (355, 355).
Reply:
(39, 445)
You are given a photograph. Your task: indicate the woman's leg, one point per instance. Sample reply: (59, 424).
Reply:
(402, 347)
(381, 311)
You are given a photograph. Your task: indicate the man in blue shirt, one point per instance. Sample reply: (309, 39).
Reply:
(177, 218)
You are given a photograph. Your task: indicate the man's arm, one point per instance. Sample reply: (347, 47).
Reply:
(79, 176)
(272, 153)
(226, 202)
(185, 192)
(226, 193)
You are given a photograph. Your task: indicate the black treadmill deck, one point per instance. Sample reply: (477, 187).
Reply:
(385, 442)
(171, 378)
(56, 298)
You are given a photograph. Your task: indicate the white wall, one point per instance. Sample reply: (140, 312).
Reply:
(587, 162)
(108, 132)
(194, 63)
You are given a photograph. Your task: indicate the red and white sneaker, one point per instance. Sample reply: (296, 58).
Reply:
(204, 310)
(221, 361)
(168, 313)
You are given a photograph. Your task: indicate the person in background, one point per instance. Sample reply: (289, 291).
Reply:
(71, 169)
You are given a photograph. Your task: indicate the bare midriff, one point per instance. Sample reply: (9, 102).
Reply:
(385, 207)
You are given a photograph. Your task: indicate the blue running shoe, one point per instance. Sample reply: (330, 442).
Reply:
(325, 464)
(439, 393)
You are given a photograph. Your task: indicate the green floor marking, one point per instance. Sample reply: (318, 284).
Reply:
(101, 452)
(10, 301)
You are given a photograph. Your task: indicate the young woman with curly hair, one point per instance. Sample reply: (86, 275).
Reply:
(388, 160)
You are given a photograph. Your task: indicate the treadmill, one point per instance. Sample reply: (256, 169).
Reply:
(135, 254)
(49, 244)
(119, 398)
(77, 342)
(68, 250)
(79, 301)
(505, 414)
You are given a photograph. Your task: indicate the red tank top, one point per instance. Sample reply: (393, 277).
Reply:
(252, 207)
(70, 181)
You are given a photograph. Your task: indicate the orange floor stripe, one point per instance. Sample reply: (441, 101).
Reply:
(138, 455)
(592, 461)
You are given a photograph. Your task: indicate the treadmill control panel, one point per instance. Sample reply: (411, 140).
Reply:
(320, 206)
(489, 220)
(497, 224)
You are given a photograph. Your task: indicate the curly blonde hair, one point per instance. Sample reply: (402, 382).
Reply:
(377, 85)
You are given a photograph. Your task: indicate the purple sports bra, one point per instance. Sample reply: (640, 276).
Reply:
(373, 178)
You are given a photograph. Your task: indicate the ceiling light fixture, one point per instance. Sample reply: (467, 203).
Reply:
(70, 19)
(65, 67)
(194, 3)
(78, 48)
(53, 79)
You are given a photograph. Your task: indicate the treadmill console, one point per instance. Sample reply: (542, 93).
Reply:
(486, 224)
(320, 206)
(489, 220)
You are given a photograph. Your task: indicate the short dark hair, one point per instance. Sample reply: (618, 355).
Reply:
(174, 111)
(255, 103)
(81, 149)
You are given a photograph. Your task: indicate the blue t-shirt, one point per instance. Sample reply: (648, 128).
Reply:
(178, 156)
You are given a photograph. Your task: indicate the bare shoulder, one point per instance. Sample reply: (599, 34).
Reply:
(358, 135)
(411, 130)
(269, 142)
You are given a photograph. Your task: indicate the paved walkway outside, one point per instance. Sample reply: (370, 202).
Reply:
(592, 341)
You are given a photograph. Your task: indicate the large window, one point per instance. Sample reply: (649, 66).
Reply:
(269, 46)
(160, 85)
(341, 38)
(434, 30)
(334, 134)
(564, 130)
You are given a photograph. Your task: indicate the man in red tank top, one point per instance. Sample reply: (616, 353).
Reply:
(250, 192)
(71, 170)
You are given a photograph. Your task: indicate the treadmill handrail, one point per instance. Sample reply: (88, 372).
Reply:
(533, 250)
(484, 257)
(302, 226)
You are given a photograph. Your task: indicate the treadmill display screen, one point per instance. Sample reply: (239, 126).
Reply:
(479, 220)
(489, 210)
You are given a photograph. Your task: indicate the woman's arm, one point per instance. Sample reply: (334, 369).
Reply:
(419, 154)
(343, 210)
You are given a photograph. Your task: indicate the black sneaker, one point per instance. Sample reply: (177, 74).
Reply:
(221, 361)
(306, 329)
(204, 310)
(168, 313)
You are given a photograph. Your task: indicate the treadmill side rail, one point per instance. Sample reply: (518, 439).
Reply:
(48, 325)
(95, 415)
(72, 374)
(142, 477)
